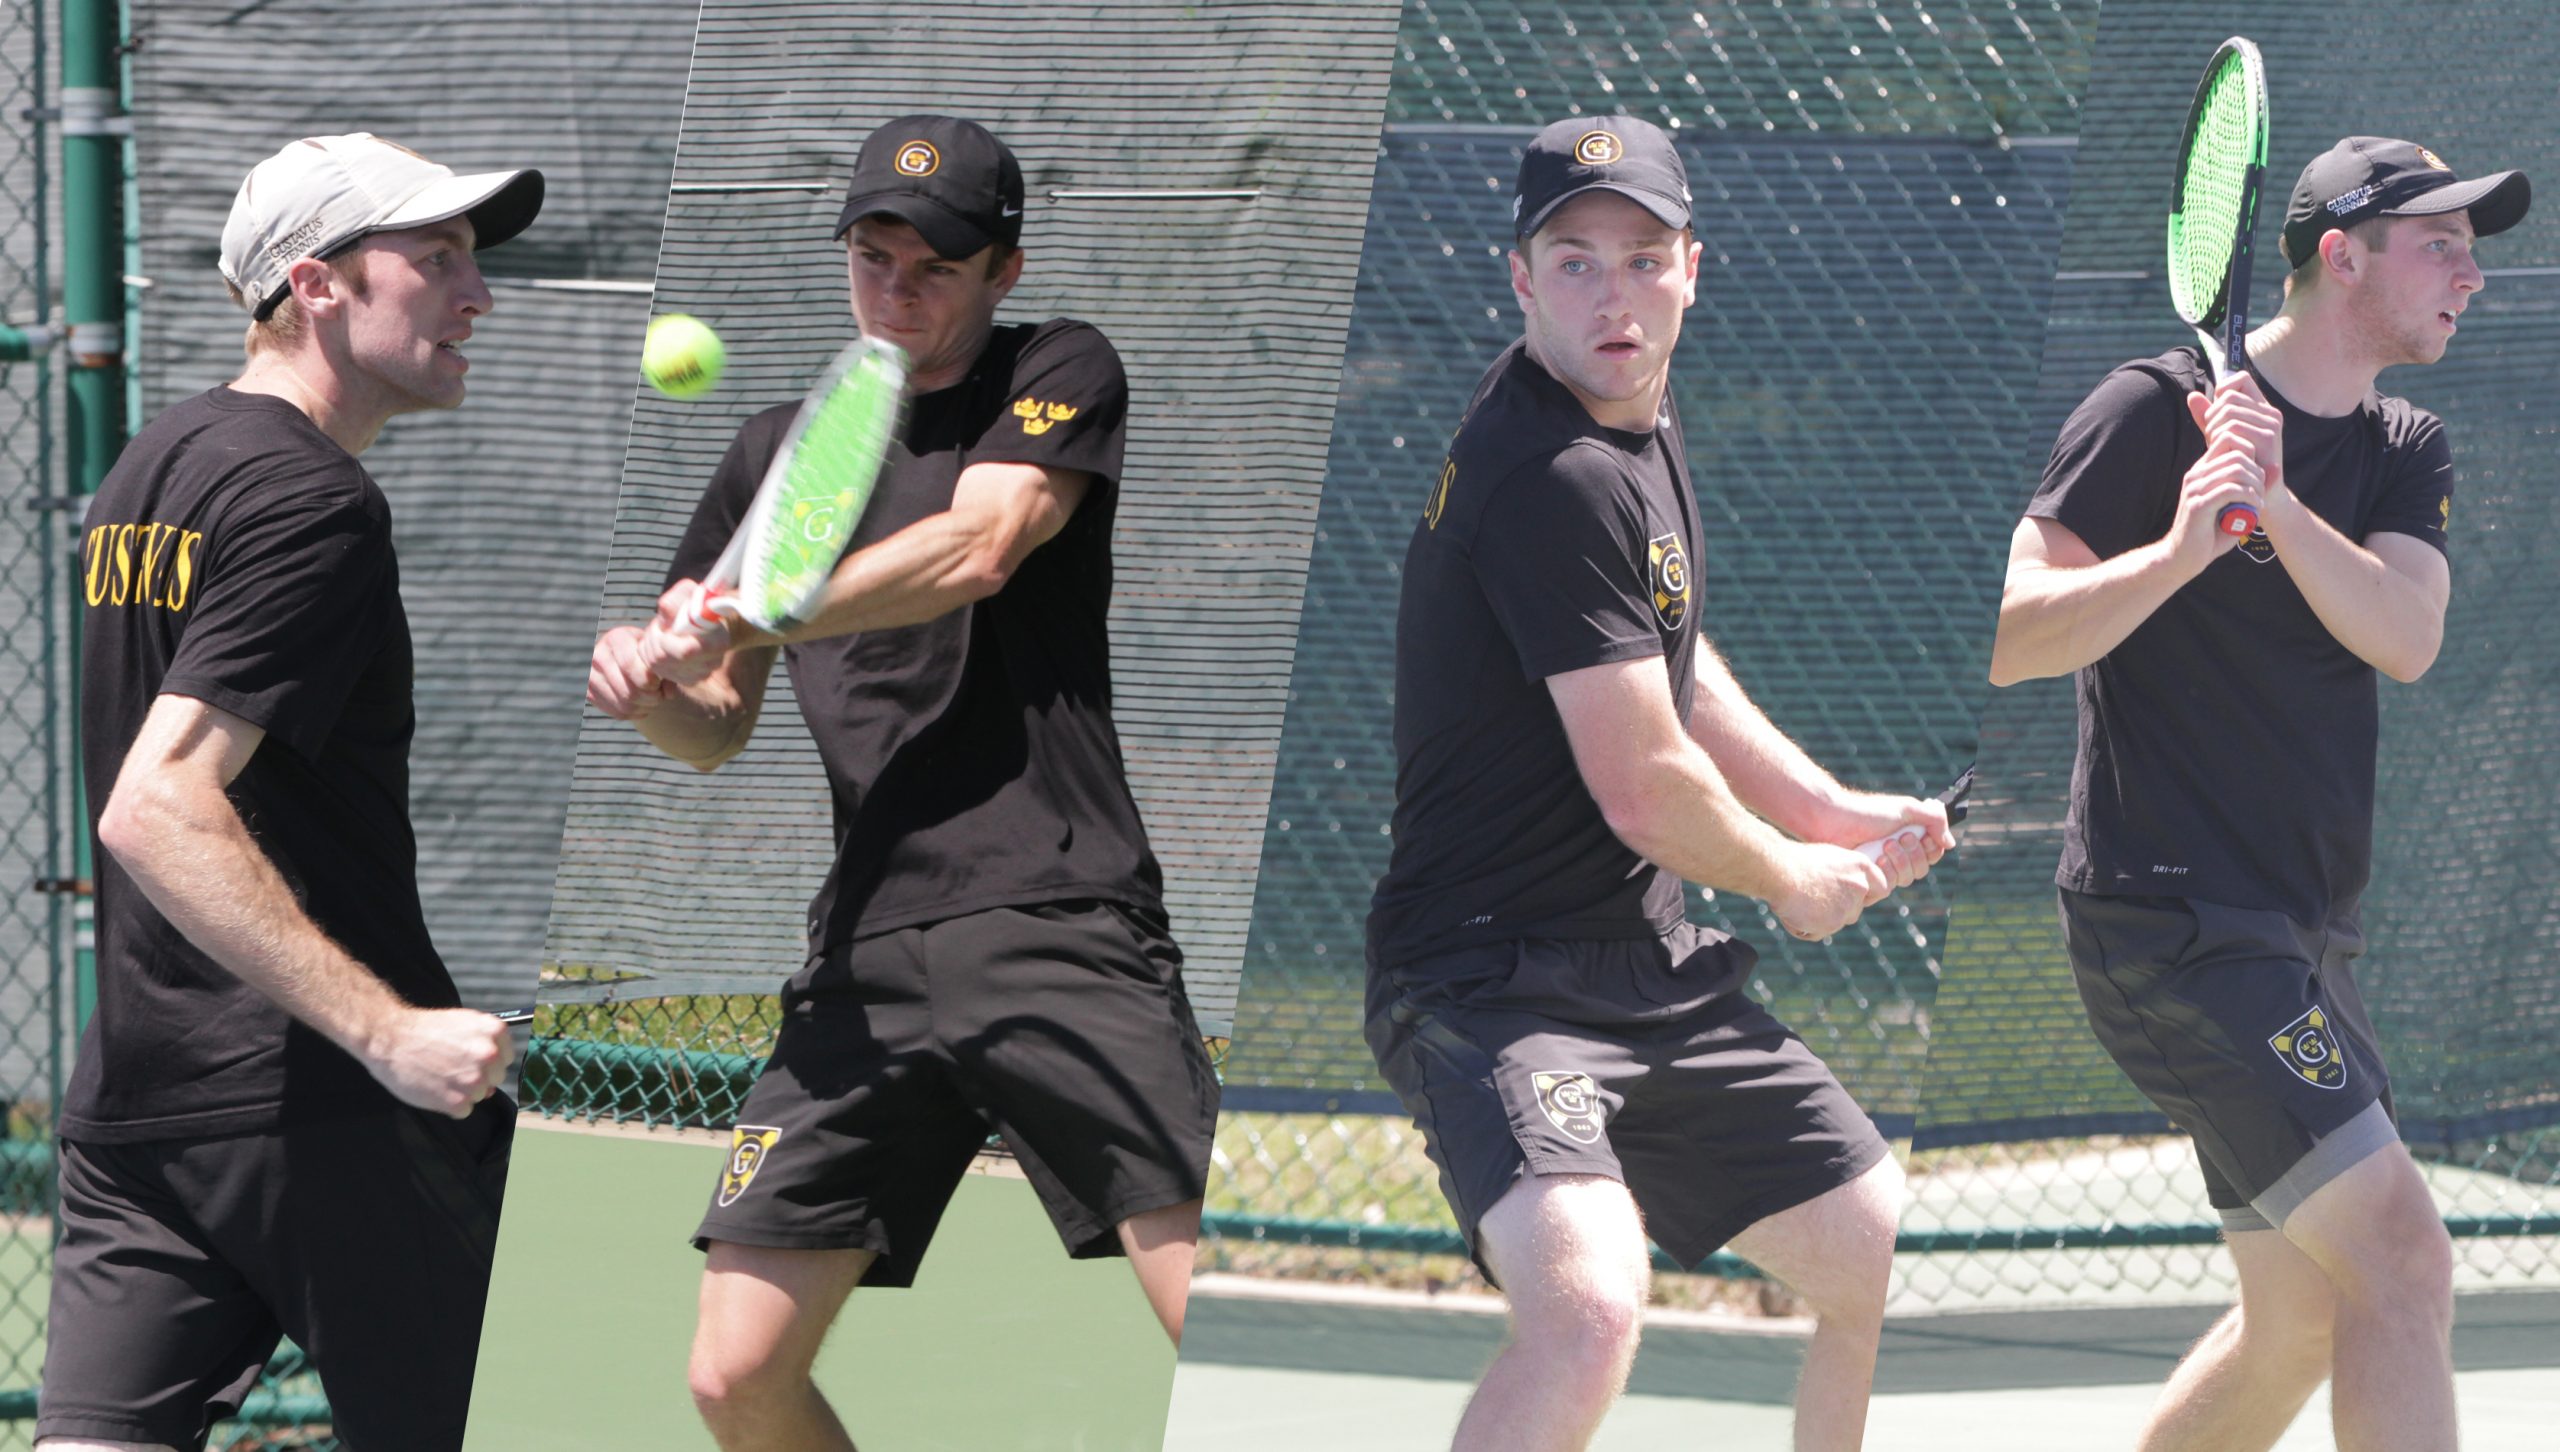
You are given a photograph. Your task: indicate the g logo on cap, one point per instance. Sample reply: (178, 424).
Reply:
(917, 158)
(1598, 148)
(2431, 159)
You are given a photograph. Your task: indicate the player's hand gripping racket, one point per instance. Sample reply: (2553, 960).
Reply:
(812, 496)
(2213, 216)
(1953, 798)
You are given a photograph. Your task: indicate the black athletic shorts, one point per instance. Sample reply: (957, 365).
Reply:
(182, 1262)
(1062, 1027)
(2246, 1028)
(1641, 1061)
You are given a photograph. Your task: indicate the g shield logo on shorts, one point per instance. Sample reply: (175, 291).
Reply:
(2259, 549)
(1667, 569)
(1438, 504)
(2307, 1049)
(1598, 148)
(1571, 1103)
(748, 1145)
(917, 158)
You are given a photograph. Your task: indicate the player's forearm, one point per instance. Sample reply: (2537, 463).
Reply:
(1683, 816)
(2387, 619)
(186, 849)
(1768, 773)
(2056, 619)
(937, 565)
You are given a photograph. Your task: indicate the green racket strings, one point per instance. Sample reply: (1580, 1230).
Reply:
(2228, 136)
(825, 485)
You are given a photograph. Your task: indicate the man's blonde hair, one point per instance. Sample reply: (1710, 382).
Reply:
(281, 328)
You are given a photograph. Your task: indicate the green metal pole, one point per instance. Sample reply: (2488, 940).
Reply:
(20, 345)
(94, 129)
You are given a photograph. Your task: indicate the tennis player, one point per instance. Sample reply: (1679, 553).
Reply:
(280, 1123)
(2221, 815)
(990, 948)
(1584, 1063)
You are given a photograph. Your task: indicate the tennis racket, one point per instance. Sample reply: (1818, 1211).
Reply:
(2213, 218)
(1954, 799)
(812, 496)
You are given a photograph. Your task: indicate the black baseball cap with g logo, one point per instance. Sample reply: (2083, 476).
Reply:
(2375, 176)
(1619, 154)
(950, 179)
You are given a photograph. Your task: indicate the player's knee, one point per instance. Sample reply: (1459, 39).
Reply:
(2397, 1252)
(1854, 1272)
(2411, 1266)
(726, 1382)
(1589, 1329)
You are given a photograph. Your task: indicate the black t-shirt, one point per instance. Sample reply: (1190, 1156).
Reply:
(238, 556)
(1549, 544)
(2227, 745)
(972, 757)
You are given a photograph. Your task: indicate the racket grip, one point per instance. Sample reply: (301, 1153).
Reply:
(2237, 520)
(703, 616)
(1874, 851)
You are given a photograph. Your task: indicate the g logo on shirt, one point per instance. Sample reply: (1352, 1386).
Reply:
(2259, 549)
(140, 564)
(748, 1144)
(1668, 571)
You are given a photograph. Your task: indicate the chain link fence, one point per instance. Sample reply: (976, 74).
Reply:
(1872, 377)
(36, 916)
(1880, 192)
(2042, 1176)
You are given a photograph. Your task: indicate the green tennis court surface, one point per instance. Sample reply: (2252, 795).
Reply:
(1003, 1343)
(1264, 1375)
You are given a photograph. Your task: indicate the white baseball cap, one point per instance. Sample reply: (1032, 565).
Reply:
(323, 193)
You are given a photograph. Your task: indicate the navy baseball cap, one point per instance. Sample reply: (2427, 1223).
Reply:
(2375, 176)
(950, 179)
(1618, 154)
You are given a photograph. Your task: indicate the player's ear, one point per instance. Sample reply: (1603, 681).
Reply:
(1691, 250)
(1520, 284)
(316, 288)
(2340, 254)
(1007, 273)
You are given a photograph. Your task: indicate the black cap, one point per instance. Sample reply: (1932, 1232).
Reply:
(1610, 153)
(2374, 176)
(949, 179)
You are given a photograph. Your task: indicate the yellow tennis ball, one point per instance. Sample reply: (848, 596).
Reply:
(682, 357)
